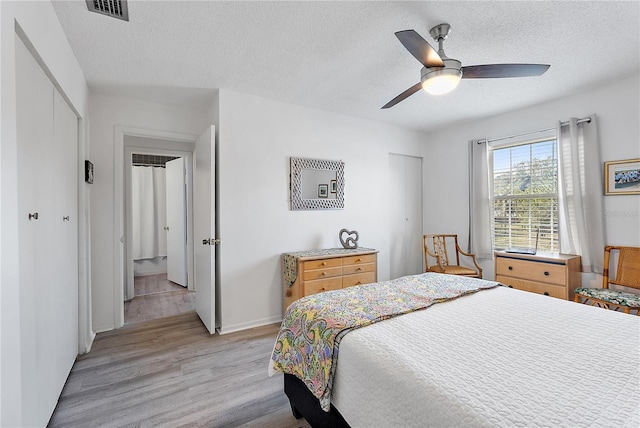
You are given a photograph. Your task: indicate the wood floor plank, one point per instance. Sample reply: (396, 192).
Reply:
(172, 373)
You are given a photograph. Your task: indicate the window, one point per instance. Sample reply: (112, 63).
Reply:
(524, 195)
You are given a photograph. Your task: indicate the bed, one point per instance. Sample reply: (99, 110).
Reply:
(495, 357)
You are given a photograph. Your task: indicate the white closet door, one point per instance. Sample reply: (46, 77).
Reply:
(34, 117)
(396, 216)
(48, 245)
(405, 195)
(413, 215)
(66, 148)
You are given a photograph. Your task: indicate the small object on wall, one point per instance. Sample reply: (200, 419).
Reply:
(622, 177)
(350, 242)
(88, 172)
(323, 190)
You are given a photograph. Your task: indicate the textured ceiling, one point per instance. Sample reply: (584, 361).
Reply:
(344, 57)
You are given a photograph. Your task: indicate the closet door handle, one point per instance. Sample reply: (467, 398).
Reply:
(33, 216)
(65, 218)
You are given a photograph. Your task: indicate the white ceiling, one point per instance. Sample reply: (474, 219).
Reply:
(344, 57)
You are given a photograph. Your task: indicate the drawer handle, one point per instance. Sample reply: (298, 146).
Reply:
(358, 269)
(358, 260)
(546, 293)
(323, 289)
(323, 264)
(358, 283)
(510, 267)
(510, 286)
(546, 273)
(323, 274)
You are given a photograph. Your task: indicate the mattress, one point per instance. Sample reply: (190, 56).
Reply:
(497, 358)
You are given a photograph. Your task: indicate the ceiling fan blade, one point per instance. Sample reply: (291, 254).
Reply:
(419, 48)
(406, 94)
(490, 71)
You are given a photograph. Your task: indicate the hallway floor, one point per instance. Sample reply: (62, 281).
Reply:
(157, 297)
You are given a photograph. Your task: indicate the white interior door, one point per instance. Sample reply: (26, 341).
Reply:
(413, 215)
(176, 226)
(405, 195)
(397, 218)
(204, 227)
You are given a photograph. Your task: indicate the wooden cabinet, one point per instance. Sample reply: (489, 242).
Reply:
(310, 272)
(555, 275)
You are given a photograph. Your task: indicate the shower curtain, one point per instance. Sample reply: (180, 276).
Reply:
(149, 212)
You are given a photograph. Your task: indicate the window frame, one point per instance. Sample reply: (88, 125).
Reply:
(553, 226)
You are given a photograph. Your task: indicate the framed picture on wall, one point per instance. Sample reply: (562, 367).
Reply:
(332, 186)
(323, 190)
(622, 177)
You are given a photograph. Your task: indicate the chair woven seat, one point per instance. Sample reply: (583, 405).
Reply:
(627, 274)
(611, 296)
(459, 270)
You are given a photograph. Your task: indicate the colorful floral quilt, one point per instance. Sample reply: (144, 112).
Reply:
(308, 342)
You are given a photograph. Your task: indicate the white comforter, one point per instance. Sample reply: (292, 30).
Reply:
(497, 358)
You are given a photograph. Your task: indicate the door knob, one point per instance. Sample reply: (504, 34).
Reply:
(65, 218)
(166, 228)
(33, 216)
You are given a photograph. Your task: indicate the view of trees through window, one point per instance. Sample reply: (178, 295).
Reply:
(525, 196)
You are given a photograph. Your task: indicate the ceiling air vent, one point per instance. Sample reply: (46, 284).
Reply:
(114, 8)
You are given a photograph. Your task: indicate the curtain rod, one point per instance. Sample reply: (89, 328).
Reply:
(486, 140)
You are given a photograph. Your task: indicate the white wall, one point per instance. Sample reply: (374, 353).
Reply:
(256, 139)
(39, 24)
(153, 266)
(617, 109)
(106, 113)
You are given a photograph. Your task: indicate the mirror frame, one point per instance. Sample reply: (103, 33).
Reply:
(299, 164)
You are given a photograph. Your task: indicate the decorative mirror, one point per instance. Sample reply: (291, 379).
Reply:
(317, 184)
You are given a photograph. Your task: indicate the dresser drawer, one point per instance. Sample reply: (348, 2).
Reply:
(356, 260)
(310, 272)
(365, 267)
(536, 271)
(321, 264)
(320, 285)
(322, 273)
(358, 279)
(535, 287)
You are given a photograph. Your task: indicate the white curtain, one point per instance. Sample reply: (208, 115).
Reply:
(580, 193)
(148, 210)
(480, 236)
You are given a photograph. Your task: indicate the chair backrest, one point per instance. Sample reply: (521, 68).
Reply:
(439, 247)
(628, 268)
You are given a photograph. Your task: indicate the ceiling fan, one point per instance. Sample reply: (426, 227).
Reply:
(442, 74)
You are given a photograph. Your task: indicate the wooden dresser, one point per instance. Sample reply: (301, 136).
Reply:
(551, 274)
(310, 272)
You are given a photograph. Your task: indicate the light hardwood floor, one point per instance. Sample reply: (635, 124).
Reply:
(172, 373)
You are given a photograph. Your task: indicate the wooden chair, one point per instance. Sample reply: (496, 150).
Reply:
(436, 257)
(627, 275)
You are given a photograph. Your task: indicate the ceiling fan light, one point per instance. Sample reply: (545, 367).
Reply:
(442, 80)
(442, 84)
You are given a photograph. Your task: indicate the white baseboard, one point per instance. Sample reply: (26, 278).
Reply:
(247, 325)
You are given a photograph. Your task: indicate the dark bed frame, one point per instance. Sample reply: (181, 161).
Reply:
(305, 404)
